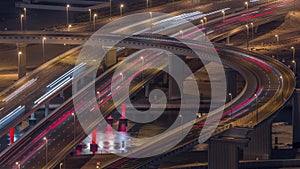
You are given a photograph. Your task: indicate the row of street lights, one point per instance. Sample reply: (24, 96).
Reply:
(23, 16)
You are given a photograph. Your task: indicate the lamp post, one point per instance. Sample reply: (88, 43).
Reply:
(202, 23)
(60, 165)
(94, 21)
(230, 105)
(205, 19)
(67, 13)
(25, 17)
(256, 107)
(246, 4)
(21, 21)
(247, 27)
(281, 78)
(69, 28)
(181, 123)
(294, 60)
(294, 66)
(46, 140)
(43, 47)
(223, 12)
(277, 40)
(110, 8)
(90, 13)
(252, 29)
(18, 165)
(121, 9)
(20, 74)
(147, 1)
(25, 12)
(150, 21)
(74, 125)
(205, 24)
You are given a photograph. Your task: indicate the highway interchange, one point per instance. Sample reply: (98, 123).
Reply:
(265, 82)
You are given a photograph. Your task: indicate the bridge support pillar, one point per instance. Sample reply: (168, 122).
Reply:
(227, 40)
(147, 89)
(231, 81)
(32, 119)
(260, 146)
(21, 59)
(111, 57)
(175, 68)
(46, 109)
(223, 152)
(165, 78)
(94, 145)
(296, 119)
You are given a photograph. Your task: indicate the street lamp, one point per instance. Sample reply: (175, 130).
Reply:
(19, 64)
(69, 28)
(121, 9)
(205, 19)
(294, 60)
(293, 50)
(46, 140)
(181, 31)
(67, 13)
(247, 26)
(60, 165)
(246, 4)
(223, 12)
(230, 105)
(25, 17)
(25, 12)
(43, 47)
(147, 1)
(252, 28)
(150, 21)
(281, 78)
(94, 21)
(202, 23)
(90, 12)
(277, 40)
(181, 122)
(18, 165)
(256, 107)
(295, 66)
(205, 23)
(21, 21)
(74, 123)
(110, 8)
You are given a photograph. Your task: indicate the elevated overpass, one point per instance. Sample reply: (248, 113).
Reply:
(265, 82)
(64, 36)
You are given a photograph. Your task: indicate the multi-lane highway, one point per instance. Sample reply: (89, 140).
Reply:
(267, 85)
(158, 42)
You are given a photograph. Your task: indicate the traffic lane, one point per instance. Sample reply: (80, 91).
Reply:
(27, 97)
(40, 132)
(195, 133)
(58, 130)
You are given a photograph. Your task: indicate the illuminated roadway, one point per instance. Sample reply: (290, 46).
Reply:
(271, 94)
(267, 86)
(60, 66)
